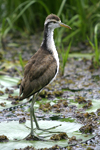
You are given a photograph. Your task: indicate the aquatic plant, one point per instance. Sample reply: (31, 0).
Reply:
(24, 16)
(95, 47)
(64, 55)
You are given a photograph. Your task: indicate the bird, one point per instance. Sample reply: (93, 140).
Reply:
(42, 68)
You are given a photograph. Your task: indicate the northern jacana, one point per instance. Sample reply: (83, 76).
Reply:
(43, 66)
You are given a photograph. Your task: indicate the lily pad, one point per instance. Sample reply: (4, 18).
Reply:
(8, 81)
(93, 108)
(14, 130)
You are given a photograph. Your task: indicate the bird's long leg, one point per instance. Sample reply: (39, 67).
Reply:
(33, 113)
(46, 130)
(31, 116)
(35, 120)
(32, 136)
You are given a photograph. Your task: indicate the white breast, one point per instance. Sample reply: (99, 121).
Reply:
(51, 46)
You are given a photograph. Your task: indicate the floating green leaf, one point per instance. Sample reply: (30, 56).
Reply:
(14, 130)
(93, 108)
(8, 81)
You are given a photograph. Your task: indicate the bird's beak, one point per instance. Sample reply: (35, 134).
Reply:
(64, 25)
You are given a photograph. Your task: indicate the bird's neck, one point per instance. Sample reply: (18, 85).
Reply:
(49, 45)
(48, 41)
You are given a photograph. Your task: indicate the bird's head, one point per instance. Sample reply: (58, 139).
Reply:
(52, 21)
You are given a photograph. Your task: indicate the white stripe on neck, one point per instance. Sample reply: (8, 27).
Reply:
(52, 47)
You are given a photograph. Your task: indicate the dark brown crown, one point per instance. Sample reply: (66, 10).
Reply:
(53, 16)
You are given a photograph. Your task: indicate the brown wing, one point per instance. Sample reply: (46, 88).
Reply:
(39, 71)
(37, 65)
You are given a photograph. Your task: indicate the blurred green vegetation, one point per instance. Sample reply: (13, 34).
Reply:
(29, 15)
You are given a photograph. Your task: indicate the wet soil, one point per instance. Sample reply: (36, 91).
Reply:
(79, 85)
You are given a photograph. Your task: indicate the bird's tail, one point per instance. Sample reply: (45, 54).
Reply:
(17, 106)
(20, 98)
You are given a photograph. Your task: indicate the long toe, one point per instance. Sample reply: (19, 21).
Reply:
(34, 138)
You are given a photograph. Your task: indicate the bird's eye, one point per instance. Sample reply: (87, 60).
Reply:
(53, 22)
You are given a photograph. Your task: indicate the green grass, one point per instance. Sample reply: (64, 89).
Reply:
(64, 54)
(21, 61)
(95, 46)
(29, 16)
